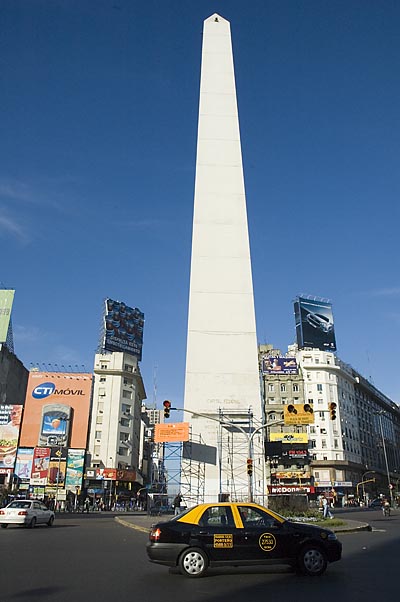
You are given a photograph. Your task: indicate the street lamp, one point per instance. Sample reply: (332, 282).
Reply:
(379, 414)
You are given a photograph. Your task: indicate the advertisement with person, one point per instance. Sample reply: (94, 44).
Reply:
(10, 422)
(56, 410)
(40, 467)
(314, 324)
(75, 463)
(24, 463)
(123, 328)
(6, 303)
(279, 365)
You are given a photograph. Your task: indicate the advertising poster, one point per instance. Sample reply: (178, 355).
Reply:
(40, 467)
(314, 324)
(296, 414)
(75, 462)
(123, 328)
(289, 438)
(24, 463)
(279, 365)
(58, 466)
(10, 422)
(56, 410)
(6, 302)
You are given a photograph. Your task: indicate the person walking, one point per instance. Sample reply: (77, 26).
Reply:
(326, 510)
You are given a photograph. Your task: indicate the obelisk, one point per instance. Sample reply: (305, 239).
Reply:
(222, 379)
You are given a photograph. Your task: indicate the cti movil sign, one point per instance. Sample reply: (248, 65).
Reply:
(46, 389)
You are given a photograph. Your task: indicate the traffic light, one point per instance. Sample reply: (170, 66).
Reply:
(332, 410)
(167, 408)
(249, 466)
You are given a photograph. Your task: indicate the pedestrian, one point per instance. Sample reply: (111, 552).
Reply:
(87, 505)
(177, 504)
(325, 505)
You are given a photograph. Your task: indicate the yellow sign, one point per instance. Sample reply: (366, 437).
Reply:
(289, 437)
(292, 475)
(267, 542)
(223, 540)
(298, 414)
(176, 431)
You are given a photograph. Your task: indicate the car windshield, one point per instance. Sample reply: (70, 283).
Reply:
(20, 505)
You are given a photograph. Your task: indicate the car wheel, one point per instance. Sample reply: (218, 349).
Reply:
(50, 521)
(312, 561)
(4, 525)
(32, 523)
(193, 562)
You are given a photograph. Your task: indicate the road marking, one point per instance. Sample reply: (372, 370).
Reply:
(378, 530)
(131, 525)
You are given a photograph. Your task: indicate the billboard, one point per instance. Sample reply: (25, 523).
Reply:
(56, 410)
(167, 433)
(75, 463)
(298, 414)
(10, 422)
(314, 324)
(40, 466)
(24, 463)
(279, 365)
(289, 437)
(6, 302)
(123, 328)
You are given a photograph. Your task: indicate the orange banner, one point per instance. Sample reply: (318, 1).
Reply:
(168, 433)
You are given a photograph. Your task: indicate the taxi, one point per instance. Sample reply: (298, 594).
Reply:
(240, 534)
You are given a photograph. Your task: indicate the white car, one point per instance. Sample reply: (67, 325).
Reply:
(26, 512)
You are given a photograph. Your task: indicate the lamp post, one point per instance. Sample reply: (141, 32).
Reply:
(379, 414)
(363, 482)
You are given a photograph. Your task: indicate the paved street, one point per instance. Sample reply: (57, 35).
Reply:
(95, 557)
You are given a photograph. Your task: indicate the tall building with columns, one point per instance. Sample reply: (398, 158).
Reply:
(222, 386)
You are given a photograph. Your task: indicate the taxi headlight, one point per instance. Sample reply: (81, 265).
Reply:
(332, 536)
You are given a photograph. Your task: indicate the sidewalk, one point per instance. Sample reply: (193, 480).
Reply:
(143, 522)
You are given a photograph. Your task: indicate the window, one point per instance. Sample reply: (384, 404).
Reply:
(316, 475)
(253, 517)
(271, 387)
(122, 451)
(323, 443)
(283, 388)
(128, 368)
(100, 406)
(97, 435)
(99, 420)
(126, 409)
(125, 422)
(335, 444)
(322, 415)
(124, 436)
(312, 443)
(128, 381)
(317, 360)
(320, 401)
(97, 450)
(103, 379)
(319, 388)
(295, 387)
(102, 392)
(312, 430)
(127, 394)
(103, 366)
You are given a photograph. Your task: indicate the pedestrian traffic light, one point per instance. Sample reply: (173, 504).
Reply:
(332, 410)
(249, 466)
(167, 408)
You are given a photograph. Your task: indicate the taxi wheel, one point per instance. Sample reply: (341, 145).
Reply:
(193, 562)
(4, 525)
(50, 521)
(32, 523)
(312, 561)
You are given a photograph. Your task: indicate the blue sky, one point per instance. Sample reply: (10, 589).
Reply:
(98, 117)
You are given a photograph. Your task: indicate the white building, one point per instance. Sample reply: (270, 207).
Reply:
(116, 430)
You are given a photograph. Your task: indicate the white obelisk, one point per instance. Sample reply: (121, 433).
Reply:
(222, 377)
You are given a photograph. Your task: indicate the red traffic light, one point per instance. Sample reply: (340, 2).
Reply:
(332, 410)
(167, 408)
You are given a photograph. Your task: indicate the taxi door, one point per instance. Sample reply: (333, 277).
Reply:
(216, 533)
(262, 537)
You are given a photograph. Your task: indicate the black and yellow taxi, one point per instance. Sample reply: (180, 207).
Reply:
(240, 534)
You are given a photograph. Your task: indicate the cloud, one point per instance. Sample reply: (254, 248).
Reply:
(387, 292)
(10, 225)
(30, 334)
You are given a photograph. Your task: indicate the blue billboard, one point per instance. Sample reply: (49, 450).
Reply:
(314, 324)
(279, 365)
(123, 328)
